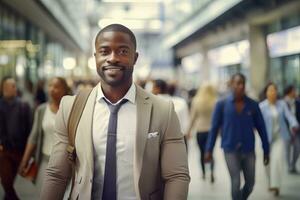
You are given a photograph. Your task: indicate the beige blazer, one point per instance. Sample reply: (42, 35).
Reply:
(160, 163)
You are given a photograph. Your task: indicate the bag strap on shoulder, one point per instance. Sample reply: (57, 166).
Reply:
(74, 118)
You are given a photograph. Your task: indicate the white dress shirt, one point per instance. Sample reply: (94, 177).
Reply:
(48, 129)
(126, 132)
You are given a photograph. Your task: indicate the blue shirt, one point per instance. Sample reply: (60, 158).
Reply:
(237, 129)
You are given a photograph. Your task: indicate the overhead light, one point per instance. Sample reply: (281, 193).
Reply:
(4, 59)
(69, 63)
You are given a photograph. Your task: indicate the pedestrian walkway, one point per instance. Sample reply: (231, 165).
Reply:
(220, 190)
(204, 190)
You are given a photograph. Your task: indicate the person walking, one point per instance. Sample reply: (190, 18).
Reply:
(276, 116)
(201, 112)
(237, 115)
(126, 138)
(40, 140)
(15, 125)
(293, 104)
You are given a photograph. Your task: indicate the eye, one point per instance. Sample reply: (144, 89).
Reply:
(123, 51)
(103, 52)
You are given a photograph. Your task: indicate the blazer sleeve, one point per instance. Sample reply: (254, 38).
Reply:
(33, 137)
(59, 170)
(174, 164)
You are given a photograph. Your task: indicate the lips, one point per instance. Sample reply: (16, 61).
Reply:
(113, 68)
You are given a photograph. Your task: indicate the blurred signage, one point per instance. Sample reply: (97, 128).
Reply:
(284, 42)
(229, 54)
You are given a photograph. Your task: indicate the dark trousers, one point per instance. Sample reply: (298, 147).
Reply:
(201, 140)
(292, 152)
(237, 162)
(10, 161)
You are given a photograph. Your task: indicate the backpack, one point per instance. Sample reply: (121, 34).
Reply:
(73, 121)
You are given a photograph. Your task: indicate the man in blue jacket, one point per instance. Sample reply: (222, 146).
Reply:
(236, 116)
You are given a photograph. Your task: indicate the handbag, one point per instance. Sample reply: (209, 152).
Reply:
(32, 171)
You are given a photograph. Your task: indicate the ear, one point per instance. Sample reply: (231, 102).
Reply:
(94, 54)
(136, 55)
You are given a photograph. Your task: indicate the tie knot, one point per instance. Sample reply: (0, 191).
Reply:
(115, 108)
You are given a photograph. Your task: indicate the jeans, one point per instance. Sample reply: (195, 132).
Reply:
(237, 162)
(292, 152)
(201, 140)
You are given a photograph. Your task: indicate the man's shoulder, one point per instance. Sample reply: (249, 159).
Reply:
(251, 101)
(68, 100)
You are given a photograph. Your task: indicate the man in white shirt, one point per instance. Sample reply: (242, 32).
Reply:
(162, 89)
(140, 154)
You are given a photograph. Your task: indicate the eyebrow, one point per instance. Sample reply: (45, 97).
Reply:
(107, 46)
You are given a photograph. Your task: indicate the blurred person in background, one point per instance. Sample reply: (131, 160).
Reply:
(40, 140)
(237, 115)
(27, 94)
(201, 112)
(40, 95)
(161, 88)
(15, 126)
(276, 113)
(294, 106)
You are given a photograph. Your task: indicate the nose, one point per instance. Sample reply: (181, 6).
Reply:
(113, 58)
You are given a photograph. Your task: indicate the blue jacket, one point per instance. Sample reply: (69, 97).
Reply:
(237, 128)
(284, 115)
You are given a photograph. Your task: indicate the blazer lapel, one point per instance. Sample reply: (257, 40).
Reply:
(84, 131)
(144, 106)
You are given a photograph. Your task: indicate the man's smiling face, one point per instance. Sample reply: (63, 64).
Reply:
(115, 58)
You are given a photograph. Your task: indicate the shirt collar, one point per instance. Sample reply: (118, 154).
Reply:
(232, 98)
(130, 95)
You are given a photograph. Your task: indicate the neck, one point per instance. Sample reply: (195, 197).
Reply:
(115, 93)
(238, 98)
(55, 102)
(290, 97)
(272, 101)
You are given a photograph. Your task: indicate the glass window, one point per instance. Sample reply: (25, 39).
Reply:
(275, 73)
(292, 70)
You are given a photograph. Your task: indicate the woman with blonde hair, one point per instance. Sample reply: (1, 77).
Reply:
(201, 111)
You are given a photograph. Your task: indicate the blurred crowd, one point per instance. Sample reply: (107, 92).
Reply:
(27, 125)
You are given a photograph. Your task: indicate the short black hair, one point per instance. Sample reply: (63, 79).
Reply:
(117, 28)
(242, 76)
(162, 85)
(267, 86)
(288, 89)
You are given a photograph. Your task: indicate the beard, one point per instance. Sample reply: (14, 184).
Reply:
(122, 76)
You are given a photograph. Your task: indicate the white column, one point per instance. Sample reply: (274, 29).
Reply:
(258, 59)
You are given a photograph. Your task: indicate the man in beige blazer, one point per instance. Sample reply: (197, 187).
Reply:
(158, 168)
